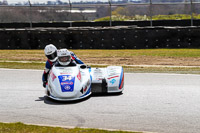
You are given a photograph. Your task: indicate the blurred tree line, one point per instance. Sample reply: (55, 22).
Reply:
(42, 14)
(60, 14)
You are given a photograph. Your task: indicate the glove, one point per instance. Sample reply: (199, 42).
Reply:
(44, 83)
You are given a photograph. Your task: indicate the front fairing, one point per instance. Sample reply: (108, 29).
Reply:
(68, 83)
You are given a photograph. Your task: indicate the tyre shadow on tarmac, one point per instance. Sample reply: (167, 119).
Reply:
(50, 101)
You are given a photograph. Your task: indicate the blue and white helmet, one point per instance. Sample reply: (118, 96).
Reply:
(64, 57)
(51, 52)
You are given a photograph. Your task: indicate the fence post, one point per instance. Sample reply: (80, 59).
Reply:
(70, 13)
(109, 1)
(151, 23)
(191, 4)
(31, 25)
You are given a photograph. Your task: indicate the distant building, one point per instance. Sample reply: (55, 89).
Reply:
(5, 2)
(59, 2)
(135, 1)
(124, 1)
(159, 1)
(51, 3)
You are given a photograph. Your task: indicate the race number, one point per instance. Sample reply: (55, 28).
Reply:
(67, 77)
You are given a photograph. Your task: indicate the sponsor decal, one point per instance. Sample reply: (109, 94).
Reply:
(65, 73)
(63, 54)
(67, 87)
(98, 76)
(98, 73)
(113, 72)
(66, 83)
(79, 75)
(113, 81)
(53, 77)
(85, 89)
(113, 77)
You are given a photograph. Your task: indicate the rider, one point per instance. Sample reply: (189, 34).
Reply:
(65, 58)
(51, 53)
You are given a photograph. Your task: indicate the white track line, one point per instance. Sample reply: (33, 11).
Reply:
(7, 69)
(71, 127)
(115, 65)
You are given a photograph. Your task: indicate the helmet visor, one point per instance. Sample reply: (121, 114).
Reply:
(64, 59)
(52, 56)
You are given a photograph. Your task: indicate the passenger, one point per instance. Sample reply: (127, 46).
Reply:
(51, 54)
(65, 58)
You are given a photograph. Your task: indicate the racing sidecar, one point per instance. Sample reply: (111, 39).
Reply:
(77, 82)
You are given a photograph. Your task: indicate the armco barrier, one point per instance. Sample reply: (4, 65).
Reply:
(101, 38)
(103, 24)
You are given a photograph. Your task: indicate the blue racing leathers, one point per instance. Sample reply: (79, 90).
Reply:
(75, 58)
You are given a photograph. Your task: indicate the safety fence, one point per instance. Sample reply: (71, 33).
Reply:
(101, 38)
(102, 24)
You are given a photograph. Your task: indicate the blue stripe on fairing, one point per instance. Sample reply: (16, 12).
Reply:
(121, 76)
(89, 90)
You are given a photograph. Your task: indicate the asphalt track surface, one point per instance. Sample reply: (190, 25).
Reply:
(164, 103)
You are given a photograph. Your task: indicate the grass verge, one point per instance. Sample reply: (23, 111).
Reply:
(16, 65)
(38, 55)
(23, 128)
(134, 57)
(163, 69)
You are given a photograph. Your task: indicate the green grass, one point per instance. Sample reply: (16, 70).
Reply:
(23, 128)
(15, 65)
(37, 56)
(175, 17)
(122, 18)
(141, 52)
(119, 17)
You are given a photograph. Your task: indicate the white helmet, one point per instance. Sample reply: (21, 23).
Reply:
(51, 52)
(64, 57)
